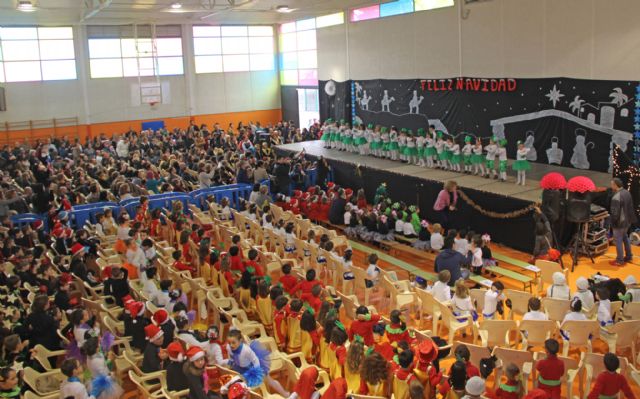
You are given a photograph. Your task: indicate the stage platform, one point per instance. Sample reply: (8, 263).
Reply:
(419, 185)
(531, 192)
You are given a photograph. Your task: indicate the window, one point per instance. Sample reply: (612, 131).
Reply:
(233, 48)
(365, 13)
(118, 51)
(330, 20)
(33, 54)
(422, 5)
(396, 8)
(298, 56)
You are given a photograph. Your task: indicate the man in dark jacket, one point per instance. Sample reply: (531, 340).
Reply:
(336, 211)
(622, 217)
(281, 172)
(450, 259)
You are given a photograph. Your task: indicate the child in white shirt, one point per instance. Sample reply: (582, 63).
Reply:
(475, 253)
(437, 240)
(441, 290)
(399, 224)
(407, 228)
(373, 272)
(461, 302)
(584, 294)
(574, 315)
(633, 291)
(460, 243)
(604, 307)
(534, 312)
(491, 299)
(559, 289)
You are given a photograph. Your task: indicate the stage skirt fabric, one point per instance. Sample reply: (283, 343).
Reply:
(456, 158)
(522, 164)
(445, 155)
(502, 166)
(393, 146)
(466, 159)
(326, 136)
(361, 141)
(375, 145)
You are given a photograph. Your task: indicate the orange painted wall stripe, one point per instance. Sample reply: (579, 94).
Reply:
(108, 128)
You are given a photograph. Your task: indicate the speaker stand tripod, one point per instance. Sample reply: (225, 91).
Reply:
(579, 245)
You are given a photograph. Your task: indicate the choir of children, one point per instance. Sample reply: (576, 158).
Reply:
(429, 148)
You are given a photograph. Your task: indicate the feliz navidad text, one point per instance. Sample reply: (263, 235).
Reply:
(469, 84)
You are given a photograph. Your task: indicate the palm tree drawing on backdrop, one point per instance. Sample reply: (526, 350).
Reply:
(618, 97)
(576, 106)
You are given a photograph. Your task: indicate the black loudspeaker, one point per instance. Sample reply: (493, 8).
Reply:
(551, 206)
(578, 208)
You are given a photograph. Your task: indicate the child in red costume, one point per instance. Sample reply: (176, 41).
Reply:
(425, 369)
(178, 264)
(609, 383)
(550, 370)
(512, 388)
(236, 260)
(280, 320)
(288, 281)
(307, 285)
(363, 325)
(397, 330)
(462, 354)
(380, 345)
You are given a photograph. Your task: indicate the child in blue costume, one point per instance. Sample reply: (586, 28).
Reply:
(252, 361)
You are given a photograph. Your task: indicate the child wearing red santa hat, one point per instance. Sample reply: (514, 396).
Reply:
(176, 380)
(167, 325)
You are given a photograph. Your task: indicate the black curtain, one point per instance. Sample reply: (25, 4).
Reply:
(569, 122)
(338, 105)
(289, 99)
(516, 233)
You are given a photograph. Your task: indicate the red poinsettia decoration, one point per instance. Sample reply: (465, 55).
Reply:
(553, 181)
(580, 184)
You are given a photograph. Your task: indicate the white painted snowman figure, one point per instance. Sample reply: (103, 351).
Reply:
(554, 154)
(532, 155)
(386, 100)
(364, 101)
(579, 159)
(415, 102)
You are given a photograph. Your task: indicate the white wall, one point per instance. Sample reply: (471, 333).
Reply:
(592, 39)
(110, 99)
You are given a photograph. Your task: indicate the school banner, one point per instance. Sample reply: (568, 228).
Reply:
(569, 122)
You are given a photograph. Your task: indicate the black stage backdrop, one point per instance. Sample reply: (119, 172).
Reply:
(569, 122)
(516, 233)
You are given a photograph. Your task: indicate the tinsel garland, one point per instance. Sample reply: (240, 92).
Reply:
(495, 215)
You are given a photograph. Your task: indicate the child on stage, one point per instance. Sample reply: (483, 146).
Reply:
(455, 157)
(521, 165)
(402, 143)
(430, 149)
(502, 158)
(385, 143)
(466, 154)
(376, 142)
(477, 159)
(411, 152)
(420, 141)
(492, 150)
(441, 161)
(393, 144)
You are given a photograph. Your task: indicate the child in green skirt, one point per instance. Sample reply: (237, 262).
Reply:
(477, 160)
(521, 165)
(492, 150)
(466, 154)
(502, 158)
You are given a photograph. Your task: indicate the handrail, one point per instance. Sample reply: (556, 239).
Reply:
(81, 214)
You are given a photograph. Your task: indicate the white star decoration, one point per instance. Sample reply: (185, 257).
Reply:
(554, 95)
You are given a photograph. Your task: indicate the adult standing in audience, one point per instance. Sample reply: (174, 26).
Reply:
(623, 216)
(451, 260)
(336, 211)
(446, 202)
(281, 172)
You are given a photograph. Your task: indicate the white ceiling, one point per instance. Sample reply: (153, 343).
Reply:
(58, 12)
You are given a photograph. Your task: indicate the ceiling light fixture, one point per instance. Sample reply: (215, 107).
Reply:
(284, 9)
(176, 6)
(26, 6)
